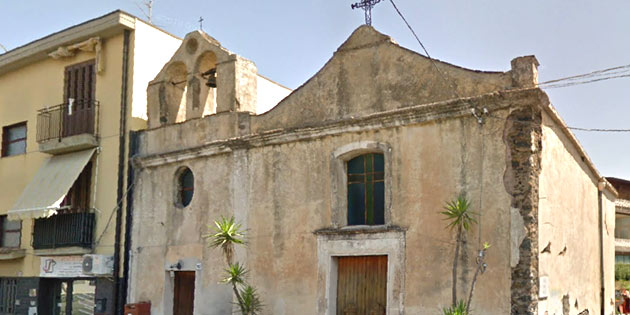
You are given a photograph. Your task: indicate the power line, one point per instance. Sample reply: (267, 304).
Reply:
(598, 75)
(624, 69)
(446, 80)
(567, 84)
(598, 129)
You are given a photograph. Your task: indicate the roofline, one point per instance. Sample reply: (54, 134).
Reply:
(105, 26)
(625, 181)
(555, 116)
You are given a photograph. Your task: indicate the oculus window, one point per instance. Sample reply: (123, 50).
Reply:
(185, 187)
(366, 190)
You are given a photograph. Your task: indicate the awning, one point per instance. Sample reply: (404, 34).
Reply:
(43, 195)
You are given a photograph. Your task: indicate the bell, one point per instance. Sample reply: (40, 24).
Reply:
(212, 77)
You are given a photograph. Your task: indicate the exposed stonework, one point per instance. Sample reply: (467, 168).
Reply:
(523, 138)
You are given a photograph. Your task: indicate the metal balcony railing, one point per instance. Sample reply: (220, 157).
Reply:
(69, 119)
(64, 230)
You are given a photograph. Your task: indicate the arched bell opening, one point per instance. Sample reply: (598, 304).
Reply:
(172, 94)
(203, 85)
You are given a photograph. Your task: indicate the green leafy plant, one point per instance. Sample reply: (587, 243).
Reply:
(459, 218)
(458, 309)
(251, 301)
(225, 235)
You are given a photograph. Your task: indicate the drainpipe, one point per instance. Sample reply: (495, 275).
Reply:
(118, 306)
(133, 149)
(600, 188)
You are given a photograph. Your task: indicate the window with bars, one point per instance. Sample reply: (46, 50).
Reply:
(14, 139)
(366, 190)
(185, 187)
(10, 232)
(8, 289)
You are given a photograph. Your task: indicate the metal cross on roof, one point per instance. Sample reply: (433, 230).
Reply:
(201, 23)
(367, 6)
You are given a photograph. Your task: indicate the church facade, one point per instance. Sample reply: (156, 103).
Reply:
(340, 186)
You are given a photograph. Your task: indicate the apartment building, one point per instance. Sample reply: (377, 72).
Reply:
(69, 105)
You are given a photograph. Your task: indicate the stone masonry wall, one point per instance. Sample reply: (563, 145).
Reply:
(523, 134)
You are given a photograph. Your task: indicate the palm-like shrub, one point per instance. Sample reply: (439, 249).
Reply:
(457, 309)
(251, 303)
(460, 218)
(225, 234)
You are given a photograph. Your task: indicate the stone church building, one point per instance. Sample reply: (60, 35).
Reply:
(341, 184)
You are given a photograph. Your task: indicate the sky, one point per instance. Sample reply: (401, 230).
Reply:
(291, 40)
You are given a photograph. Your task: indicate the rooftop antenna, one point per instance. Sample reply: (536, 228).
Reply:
(367, 6)
(149, 13)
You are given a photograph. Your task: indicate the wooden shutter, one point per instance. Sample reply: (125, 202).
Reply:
(362, 285)
(80, 85)
(184, 295)
(78, 197)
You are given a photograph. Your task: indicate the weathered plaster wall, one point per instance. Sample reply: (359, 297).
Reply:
(608, 220)
(569, 225)
(371, 73)
(276, 174)
(280, 187)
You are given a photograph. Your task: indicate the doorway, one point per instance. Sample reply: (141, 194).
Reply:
(184, 293)
(361, 285)
(66, 296)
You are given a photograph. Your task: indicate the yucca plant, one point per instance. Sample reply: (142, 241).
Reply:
(460, 218)
(251, 304)
(458, 308)
(226, 233)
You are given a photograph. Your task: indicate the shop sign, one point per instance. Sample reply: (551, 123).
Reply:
(61, 267)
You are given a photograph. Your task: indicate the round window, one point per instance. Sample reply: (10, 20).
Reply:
(185, 187)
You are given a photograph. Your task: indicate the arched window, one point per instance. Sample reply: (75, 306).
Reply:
(185, 187)
(366, 190)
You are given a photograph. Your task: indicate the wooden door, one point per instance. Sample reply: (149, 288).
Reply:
(361, 285)
(184, 295)
(79, 85)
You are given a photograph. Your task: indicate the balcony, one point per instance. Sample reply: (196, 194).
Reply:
(64, 230)
(68, 127)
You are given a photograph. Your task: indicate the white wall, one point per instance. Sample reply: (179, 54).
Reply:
(152, 49)
(269, 94)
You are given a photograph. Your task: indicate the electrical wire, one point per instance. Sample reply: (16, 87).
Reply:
(446, 80)
(609, 71)
(111, 215)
